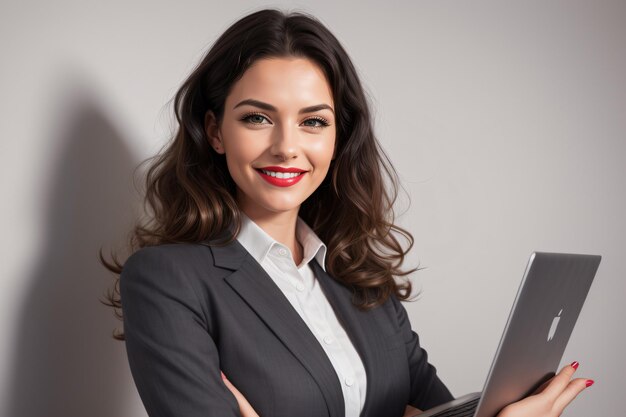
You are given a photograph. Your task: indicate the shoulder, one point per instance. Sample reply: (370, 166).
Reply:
(177, 264)
(168, 255)
(169, 263)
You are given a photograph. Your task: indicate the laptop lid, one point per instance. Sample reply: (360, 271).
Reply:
(549, 299)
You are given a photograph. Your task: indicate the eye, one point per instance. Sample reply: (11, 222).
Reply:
(253, 118)
(322, 122)
(257, 119)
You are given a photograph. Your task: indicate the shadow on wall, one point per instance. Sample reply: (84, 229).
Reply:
(66, 364)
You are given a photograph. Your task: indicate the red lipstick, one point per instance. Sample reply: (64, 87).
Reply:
(282, 169)
(281, 182)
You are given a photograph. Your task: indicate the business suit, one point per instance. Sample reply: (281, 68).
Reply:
(193, 309)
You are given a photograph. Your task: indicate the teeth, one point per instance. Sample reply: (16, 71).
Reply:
(282, 174)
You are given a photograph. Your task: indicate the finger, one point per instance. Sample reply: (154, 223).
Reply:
(233, 389)
(560, 381)
(244, 406)
(575, 387)
(411, 411)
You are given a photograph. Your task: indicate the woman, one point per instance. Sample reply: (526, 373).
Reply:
(269, 255)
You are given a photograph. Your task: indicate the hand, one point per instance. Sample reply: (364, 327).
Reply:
(411, 411)
(551, 398)
(244, 406)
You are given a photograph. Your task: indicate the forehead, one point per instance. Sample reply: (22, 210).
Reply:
(283, 82)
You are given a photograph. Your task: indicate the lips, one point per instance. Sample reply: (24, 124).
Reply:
(282, 169)
(282, 182)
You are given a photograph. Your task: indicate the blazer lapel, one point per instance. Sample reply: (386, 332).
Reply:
(362, 328)
(254, 285)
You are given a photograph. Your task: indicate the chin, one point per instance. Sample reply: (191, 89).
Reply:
(277, 208)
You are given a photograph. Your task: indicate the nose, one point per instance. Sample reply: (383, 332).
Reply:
(285, 143)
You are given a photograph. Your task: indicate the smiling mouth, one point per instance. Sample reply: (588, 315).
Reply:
(281, 179)
(281, 175)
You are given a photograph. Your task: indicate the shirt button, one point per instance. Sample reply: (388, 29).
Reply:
(328, 340)
(349, 381)
(282, 251)
(300, 287)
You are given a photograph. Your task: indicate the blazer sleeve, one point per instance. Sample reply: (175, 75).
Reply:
(427, 390)
(173, 359)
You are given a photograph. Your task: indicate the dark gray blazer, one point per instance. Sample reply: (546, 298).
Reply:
(192, 309)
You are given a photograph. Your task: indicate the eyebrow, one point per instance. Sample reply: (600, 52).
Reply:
(269, 107)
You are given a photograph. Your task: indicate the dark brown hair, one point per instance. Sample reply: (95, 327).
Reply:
(190, 195)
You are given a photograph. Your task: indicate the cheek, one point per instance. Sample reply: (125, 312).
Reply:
(322, 152)
(242, 148)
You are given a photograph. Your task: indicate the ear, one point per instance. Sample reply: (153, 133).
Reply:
(212, 131)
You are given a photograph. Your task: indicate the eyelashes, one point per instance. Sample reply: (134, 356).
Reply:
(246, 118)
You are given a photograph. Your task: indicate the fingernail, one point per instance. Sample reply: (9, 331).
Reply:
(575, 365)
(589, 382)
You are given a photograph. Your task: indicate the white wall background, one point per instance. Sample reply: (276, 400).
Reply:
(505, 120)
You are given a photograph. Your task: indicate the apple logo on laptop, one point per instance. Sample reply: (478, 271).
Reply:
(555, 323)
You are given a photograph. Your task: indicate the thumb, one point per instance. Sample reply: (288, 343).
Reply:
(542, 386)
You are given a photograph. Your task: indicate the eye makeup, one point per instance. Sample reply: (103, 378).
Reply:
(247, 119)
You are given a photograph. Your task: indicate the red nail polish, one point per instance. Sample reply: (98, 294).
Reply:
(589, 382)
(575, 365)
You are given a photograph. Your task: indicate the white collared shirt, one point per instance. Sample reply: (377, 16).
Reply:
(303, 291)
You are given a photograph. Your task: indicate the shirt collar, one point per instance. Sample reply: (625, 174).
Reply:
(258, 242)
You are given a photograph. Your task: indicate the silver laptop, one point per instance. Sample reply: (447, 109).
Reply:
(549, 299)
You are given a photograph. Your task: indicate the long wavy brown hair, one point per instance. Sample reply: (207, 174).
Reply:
(190, 195)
